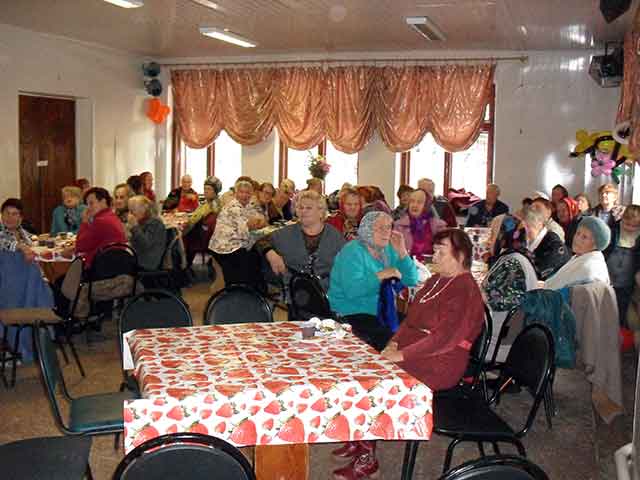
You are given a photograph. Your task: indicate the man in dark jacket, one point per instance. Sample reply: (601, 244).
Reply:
(481, 213)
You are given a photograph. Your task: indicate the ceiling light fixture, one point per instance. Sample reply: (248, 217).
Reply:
(126, 3)
(227, 36)
(427, 28)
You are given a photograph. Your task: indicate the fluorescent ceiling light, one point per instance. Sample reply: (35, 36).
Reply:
(227, 36)
(425, 27)
(127, 3)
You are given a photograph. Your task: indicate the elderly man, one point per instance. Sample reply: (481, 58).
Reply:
(482, 212)
(13, 237)
(440, 204)
(184, 198)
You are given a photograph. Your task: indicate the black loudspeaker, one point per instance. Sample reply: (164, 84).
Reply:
(153, 87)
(612, 9)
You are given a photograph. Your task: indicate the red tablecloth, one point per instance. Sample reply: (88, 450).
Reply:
(257, 384)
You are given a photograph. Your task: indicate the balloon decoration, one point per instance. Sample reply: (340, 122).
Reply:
(157, 111)
(608, 150)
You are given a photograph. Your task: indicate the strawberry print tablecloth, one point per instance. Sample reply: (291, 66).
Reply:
(258, 384)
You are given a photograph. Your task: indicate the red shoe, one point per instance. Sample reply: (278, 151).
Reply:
(349, 449)
(361, 466)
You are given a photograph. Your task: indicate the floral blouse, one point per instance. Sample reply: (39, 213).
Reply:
(232, 232)
(9, 240)
(505, 285)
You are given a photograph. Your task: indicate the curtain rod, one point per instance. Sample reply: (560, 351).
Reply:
(522, 58)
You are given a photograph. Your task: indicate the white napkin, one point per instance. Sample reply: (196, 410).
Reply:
(127, 359)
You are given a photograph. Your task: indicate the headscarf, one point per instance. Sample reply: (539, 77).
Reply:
(572, 208)
(511, 238)
(365, 234)
(350, 226)
(215, 183)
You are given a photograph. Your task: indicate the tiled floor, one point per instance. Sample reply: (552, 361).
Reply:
(569, 451)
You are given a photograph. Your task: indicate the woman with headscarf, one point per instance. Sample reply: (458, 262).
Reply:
(202, 222)
(419, 225)
(569, 216)
(379, 253)
(347, 219)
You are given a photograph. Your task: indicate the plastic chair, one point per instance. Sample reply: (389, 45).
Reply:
(53, 458)
(308, 298)
(151, 309)
(90, 414)
(499, 467)
(184, 455)
(469, 418)
(237, 304)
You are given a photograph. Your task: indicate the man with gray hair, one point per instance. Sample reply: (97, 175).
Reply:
(441, 205)
(481, 213)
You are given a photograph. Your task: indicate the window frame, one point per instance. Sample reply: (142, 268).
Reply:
(487, 126)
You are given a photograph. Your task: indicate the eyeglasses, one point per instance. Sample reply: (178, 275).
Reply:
(383, 229)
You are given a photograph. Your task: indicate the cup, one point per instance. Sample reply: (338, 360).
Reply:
(308, 331)
(50, 243)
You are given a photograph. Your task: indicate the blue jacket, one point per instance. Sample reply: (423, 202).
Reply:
(354, 286)
(58, 225)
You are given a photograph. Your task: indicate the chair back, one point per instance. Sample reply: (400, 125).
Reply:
(498, 467)
(479, 349)
(50, 370)
(185, 455)
(530, 363)
(112, 260)
(308, 298)
(237, 303)
(505, 331)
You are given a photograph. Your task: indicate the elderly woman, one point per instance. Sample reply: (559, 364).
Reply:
(608, 209)
(433, 342)
(184, 198)
(623, 257)
(309, 245)
(265, 196)
(121, 195)
(198, 230)
(347, 219)
(68, 216)
(360, 267)
(588, 263)
(148, 233)
(231, 240)
(419, 225)
(403, 193)
(549, 251)
(569, 217)
(584, 205)
(12, 236)
(545, 207)
(147, 185)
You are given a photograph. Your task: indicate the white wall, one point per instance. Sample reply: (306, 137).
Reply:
(114, 138)
(539, 107)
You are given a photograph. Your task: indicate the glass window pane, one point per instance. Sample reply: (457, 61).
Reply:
(228, 160)
(469, 168)
(196, 166)
(298, 166)
(344, 168)
(427, 161)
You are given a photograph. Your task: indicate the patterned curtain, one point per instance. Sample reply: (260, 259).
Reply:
(344, 104)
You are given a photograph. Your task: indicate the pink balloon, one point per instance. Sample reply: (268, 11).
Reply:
(596, 172)
(594, 163)
(609, 164)
(606, 171)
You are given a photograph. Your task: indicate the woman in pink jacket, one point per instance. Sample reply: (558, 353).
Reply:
(420, 224)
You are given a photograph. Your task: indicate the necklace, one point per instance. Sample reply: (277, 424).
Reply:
(426, 298)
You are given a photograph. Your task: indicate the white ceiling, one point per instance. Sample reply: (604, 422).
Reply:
(169, 28)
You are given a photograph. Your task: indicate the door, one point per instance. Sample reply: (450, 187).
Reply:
(47, 155)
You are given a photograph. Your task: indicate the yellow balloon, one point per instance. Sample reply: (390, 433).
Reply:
(606, 146)
(582, 136)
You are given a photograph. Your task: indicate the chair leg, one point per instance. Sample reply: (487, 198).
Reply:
(481, 449)
(5, 347)
(116, 442)
(520, 447)
(496, 448)
(449, 456)
(410, 452)
(74, 353)
(16, 347)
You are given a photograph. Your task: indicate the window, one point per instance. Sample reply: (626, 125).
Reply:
(223, 159)
(294, 164)
(471, 169)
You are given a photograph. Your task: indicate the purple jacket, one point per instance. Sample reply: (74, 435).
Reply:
(403, 225)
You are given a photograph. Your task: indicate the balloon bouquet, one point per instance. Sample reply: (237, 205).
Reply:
(608, 150)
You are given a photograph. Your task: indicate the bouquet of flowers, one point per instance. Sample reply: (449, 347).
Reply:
(318, 166)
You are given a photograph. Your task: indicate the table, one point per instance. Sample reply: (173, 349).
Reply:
(259, 384)
(175, 220)
(52, 263)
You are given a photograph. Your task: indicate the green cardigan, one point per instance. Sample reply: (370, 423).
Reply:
(354, 286)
